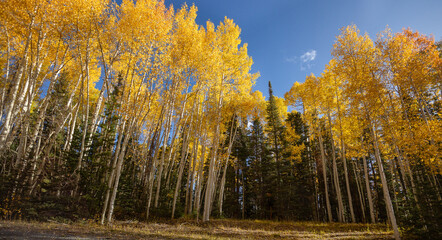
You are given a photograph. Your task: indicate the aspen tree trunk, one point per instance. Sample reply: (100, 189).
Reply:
(324, 174)
(367, 185)
(143, 157)
(179, 127)
(23, 142)
(7, 123)
(210, 179)
(223, 180)
(171, 151)
(155, 146)
(77, 170)
(24, 125)
(192, 181)
(163, 154)
(402, 174)
(426, 115)
(82, 148)
(196, 182)
(243, 194)
(210, 188)
(71, 130)
(112, 174)
(315, 180)
(344, 160)
(118, 172)
(313, 168)
(24, 148)
(47, 147)
(187, 184)
(190, 171)
(392, 172)
(200, 179)
(347, 183)
(17, 164)
(171, 156)
(29, 82)
(148, 166)
(24, 119)
(184, 154)
(361, 197)
(407, 165)
(412, 181)
(387, 197)
(151, 175)
(43, 109)
(94, 120)
(341, 217)
(7, 66)
(437, 185)
(100, 100)
(24, 153)
(35, 158)
(402, 170)
(170, 166)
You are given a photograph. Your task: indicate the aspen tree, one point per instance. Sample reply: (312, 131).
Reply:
(358, 62)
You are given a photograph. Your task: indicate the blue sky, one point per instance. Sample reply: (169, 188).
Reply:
(289, 39)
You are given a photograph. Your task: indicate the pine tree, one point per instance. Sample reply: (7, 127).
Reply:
(275, 130)
(261, 174)
(304, 179)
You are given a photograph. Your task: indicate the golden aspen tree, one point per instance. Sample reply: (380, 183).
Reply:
(233, 77)
(358, 62)
(327, 106)
(340, 111)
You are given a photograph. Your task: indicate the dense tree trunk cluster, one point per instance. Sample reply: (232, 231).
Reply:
(116, 108)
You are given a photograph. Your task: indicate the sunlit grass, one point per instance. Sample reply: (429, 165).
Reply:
(217, 229)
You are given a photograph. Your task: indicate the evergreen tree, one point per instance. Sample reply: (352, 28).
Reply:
(275, 130)
(303, 174)
(261, 177)
(95, 175)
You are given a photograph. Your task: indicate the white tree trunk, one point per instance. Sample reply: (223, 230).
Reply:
(118, 172)
(368, 188)
(324, 174)
(387, 198)
(341, 217)
(223, 180)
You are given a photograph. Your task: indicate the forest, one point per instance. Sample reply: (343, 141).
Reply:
(134, 111)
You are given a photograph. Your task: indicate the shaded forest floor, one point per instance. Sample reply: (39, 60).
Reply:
(181, 229)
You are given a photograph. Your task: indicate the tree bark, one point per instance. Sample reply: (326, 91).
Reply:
(324, 174)
(118, 173)
(387, 197)
(184, 154)
(223, 180)
(368, 188)
(341, 217)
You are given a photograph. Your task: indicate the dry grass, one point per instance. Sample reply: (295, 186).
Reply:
(187, 229)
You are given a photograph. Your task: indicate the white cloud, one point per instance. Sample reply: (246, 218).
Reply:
(308, 56)
(305, 61)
